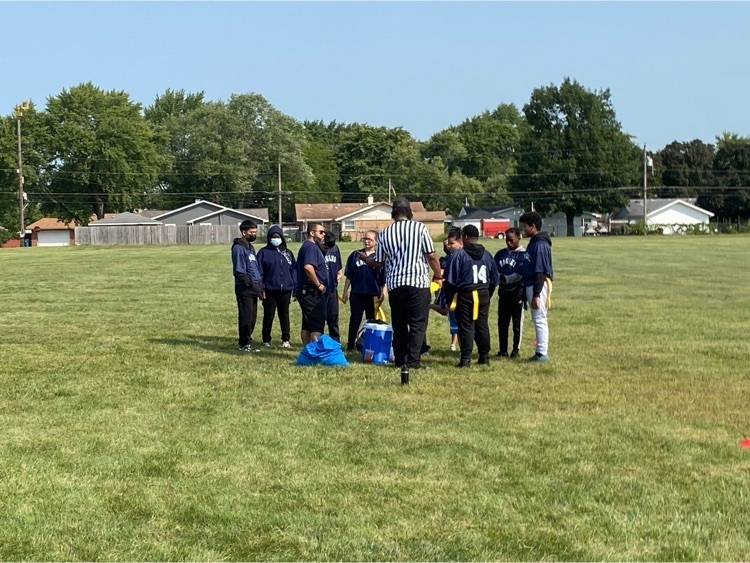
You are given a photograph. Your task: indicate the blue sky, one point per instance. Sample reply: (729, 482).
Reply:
(676, 70)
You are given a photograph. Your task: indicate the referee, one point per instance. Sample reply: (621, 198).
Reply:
(406, 251)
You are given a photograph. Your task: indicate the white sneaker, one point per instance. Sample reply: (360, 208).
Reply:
(247, 348)
(453, 347)
(286, 344)
(267, 344)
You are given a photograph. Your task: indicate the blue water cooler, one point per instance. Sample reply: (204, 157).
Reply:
(377, 341)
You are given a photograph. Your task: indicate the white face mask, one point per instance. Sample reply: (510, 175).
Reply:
(276, 241)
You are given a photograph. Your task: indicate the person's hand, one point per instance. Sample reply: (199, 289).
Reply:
(263, 296)
(323, 290)
(294, 299)
(345, 296)
(438, 280)
(362, 256)
(535, 302)
(380, 299)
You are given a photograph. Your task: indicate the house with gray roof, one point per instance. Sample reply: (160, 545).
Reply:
(126, 219)
(202, 212)
(670, 216)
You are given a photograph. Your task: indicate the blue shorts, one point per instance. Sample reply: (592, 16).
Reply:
(452, 322)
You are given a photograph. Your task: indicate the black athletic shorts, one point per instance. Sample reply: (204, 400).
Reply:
(314, 310)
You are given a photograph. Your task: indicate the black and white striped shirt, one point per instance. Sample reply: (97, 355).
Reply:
(402, 247)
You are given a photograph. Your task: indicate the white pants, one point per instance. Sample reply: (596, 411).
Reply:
(539, 317)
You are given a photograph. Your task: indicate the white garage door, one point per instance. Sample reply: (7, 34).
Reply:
(54, 238)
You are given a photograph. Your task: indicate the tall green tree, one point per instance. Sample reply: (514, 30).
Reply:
(732, 171)
(482, 148)
(687, 166)
(227, 152)
(574, 156)
(273, 138)
(367, 157)
(102, 155)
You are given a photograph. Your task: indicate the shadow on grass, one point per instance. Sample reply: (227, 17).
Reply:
(228, 345)
(222, 344)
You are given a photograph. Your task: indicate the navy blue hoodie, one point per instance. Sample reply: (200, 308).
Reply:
(248, 276)
(510, 265)
(538, 265)
(469, 268)
(277, 263)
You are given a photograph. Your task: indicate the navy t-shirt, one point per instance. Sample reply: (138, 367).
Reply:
(309, 253)
(362, 278)
(333, 262)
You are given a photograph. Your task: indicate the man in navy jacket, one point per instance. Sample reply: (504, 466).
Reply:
(310, 288)
(278, 266)
(248, 279)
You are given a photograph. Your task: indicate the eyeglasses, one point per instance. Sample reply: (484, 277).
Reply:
(323, 231)
(370, 239)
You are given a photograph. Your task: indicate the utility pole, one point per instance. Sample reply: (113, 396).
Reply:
(645, 184)
(20, 108)
(280, 219)
(390, 187)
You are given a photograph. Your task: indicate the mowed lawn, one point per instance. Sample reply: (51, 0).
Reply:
(132, 429)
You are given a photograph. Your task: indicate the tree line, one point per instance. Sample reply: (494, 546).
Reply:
(91, 151)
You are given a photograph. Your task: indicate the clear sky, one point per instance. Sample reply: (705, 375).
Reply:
(676, 70)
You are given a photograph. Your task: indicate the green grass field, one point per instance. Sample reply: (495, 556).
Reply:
(132, 429)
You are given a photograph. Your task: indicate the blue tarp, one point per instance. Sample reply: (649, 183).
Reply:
(325, 351)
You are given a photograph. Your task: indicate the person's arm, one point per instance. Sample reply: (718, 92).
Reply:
(434, 263)
(239, 266)
(345, 295)
(313, 277)
(383, 293)
(369, 260)
(494, 276)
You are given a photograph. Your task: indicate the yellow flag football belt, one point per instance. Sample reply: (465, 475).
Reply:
(475, 300)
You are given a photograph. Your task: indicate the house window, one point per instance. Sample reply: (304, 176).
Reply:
(348, 225)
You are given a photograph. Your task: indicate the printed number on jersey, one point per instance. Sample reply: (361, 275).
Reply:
(480, 273)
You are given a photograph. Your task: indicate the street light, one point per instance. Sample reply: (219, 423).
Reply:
(20, 108)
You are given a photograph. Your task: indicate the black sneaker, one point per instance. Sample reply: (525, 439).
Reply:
(484, 360)
(503, 354)
(464, 364)
(416, 365)
(514, 355)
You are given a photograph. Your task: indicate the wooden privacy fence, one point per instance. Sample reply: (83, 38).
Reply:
(157, 234)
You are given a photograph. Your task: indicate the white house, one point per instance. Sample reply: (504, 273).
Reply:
(670, 215)
(556, 224)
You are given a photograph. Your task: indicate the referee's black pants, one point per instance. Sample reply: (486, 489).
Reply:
(410, 307)
(470, 329)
